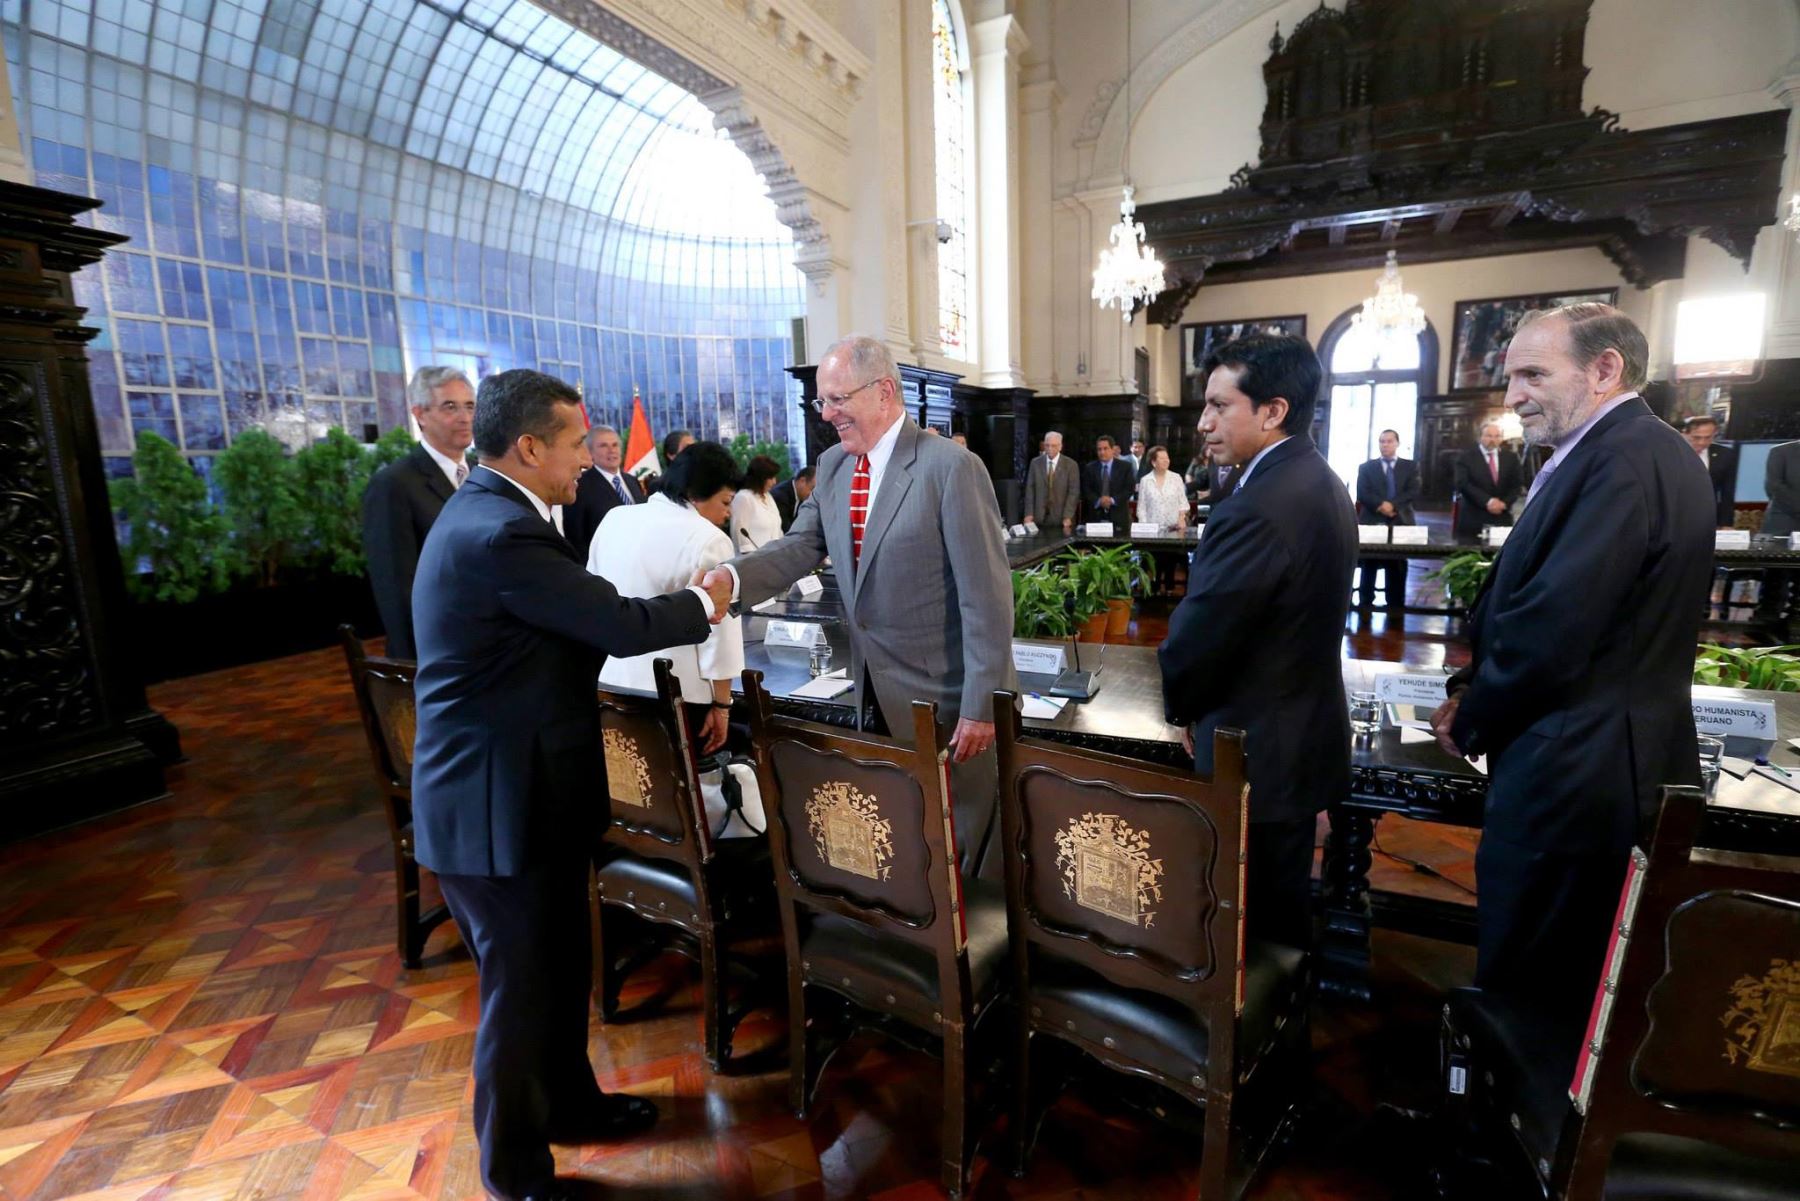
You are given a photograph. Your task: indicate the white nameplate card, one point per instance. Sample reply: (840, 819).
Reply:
(1411, 535)
(1731, 539)
(794, 633)
(1146, 529)
(1722, 713)
(1372, 533)
(1030, 658)
(1097, 529)
(1794, 541)
(1495, 535)
(1403, 688)
(1021, 531)
(809, 586)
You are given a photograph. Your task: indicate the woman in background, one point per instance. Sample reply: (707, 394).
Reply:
(755, 518)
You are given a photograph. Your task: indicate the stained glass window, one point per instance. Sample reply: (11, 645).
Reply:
(324, 195)
(950, 118)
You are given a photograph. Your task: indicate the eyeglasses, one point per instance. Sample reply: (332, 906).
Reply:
(818, 403)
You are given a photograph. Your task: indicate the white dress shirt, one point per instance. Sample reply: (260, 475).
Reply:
(757, 514)
(1570, 441)
(448, 464)
(1165, 503)
(879, 454)
(651, 549)
(544, 511)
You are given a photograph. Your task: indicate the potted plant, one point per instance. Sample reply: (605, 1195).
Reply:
(1462, 575)
(261, 503)
(172, 527)
(1106, 580)
(1041, 606)
(1770, 668)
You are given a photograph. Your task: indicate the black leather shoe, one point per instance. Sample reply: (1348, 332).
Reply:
(617, 1116)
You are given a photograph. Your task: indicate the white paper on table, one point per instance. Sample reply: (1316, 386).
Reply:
(1733, 766)
(765, 606)
(1044, 707)
(832, 684)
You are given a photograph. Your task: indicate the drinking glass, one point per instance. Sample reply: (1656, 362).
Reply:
(819, 661)
(1712, 754)
(1365, 713)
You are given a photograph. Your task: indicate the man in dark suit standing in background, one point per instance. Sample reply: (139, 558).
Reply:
(1721, 463)
(601, 489)
(1781, 482)
(1489, 479)
(405, 497)
(1582, 655)
(509, 786)
(1387, 488)
(791, 494)
(1256, 643)
(1052, 488)
(1106, 485)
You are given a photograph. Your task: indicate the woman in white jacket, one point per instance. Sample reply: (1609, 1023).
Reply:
(656, 547)
(755, 519)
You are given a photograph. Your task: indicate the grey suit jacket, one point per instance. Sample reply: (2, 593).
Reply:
(1052, 501)
(1781, 480)
(930, 604)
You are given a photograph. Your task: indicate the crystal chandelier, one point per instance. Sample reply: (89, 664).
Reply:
(1392, 310)
(1128, 274)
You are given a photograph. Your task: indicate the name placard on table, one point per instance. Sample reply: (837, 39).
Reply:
(1731, 539)
(1495, 535)
(1408, 688)
(1722, 715)
(1146, 529)
(1032, 658)
(1372, 533)
(804, 634)
(809, 586)
(1097, 529)
(1411, 535)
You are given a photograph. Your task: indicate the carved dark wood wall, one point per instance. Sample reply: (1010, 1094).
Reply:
(76, 735)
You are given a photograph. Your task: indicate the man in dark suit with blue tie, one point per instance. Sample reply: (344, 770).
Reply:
(601, 489)
(1106, 486)
(1387, 488)
(509, 785)
(1582, 657)
(1256, 643)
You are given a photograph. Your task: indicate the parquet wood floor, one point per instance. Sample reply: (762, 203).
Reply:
(200, 998)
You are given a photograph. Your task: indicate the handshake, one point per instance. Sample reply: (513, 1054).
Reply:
(718, 584)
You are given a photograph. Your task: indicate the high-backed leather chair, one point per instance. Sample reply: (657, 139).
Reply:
(658, 862)
(384, 697)
(1124, 891)
(881, 928)
(1686, 1084)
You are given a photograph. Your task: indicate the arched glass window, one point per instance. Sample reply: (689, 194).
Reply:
(1373, 385)
(950, 117)
(326, 195)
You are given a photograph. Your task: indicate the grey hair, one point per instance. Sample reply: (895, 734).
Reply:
(427, 380)
(1595, 329)
(1492, 425)
(596, 431)
(1052, 434)
(868, 358)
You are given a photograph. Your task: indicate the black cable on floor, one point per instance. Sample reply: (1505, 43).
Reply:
(1424, 869)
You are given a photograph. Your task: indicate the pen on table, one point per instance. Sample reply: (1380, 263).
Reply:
(1762, 761)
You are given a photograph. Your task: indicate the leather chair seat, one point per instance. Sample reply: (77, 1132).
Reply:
(1531, 1059)
(661, 889)
(1157, 1032)
(888, 974)
(1662, 1167)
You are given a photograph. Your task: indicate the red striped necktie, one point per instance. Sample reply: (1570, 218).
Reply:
(859, 506)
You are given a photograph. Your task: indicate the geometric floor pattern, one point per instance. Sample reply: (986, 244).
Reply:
(200, 998)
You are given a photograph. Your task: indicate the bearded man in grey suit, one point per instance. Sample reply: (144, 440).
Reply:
(914, 534)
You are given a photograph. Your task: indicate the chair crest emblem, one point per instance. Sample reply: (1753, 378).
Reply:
(1762, 1026)
(403, 720)
(848, 830)
(1106, 866)
(627, 771)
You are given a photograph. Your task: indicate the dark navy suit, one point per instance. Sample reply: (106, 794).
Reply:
(1257, 645)
(400, 504)
(1371, 491)
(594, 499)
(1577, 690)
(510, 796)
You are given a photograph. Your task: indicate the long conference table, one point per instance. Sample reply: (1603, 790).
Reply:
(1397, 772)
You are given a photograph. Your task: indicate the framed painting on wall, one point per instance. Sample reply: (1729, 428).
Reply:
(1484, 327)
(1200, 339)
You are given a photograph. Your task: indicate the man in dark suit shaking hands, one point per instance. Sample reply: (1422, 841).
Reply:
(509, 787)
(1387, 488)
(1582, 655)
(405, 497)
(1255, 645)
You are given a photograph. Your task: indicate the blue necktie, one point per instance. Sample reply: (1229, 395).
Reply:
(619, 487)
(1388, 466)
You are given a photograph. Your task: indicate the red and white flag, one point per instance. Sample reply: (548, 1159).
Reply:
(640, 444)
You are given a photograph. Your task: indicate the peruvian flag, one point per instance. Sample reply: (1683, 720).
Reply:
(640, 445)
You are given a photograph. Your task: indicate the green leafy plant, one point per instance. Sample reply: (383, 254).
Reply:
(1461, 576)
(331, 475)
(1099, 576)
(261, 505)
(1770, 668)
(172, 526)
(1041, 603)
(743, 450)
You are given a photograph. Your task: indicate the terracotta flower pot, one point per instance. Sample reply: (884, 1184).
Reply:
(1118, 619)
(1093, 629)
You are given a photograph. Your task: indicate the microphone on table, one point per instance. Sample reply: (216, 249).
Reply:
(1074, 683)
(748, 538)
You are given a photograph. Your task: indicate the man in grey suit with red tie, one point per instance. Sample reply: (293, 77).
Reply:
(914, 535)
